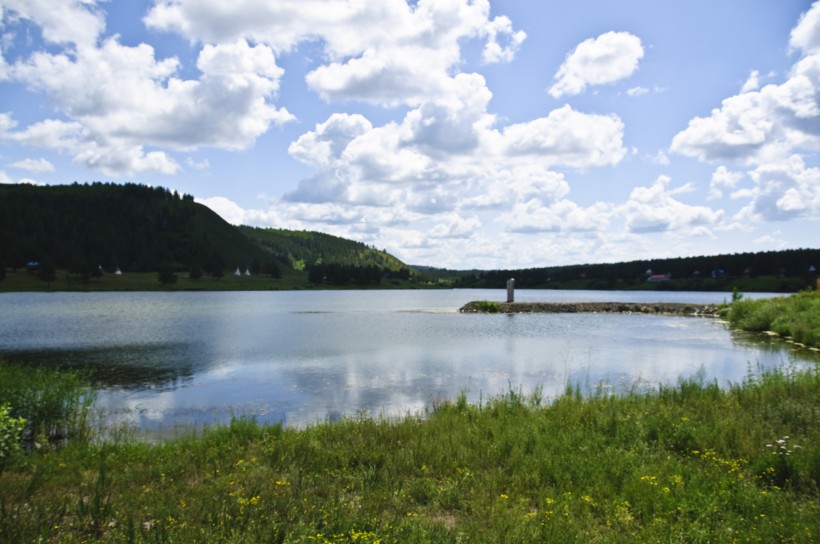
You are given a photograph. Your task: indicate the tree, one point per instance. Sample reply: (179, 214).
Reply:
(2, 270)
(273, 269)
(195, 272)
(166, 275)
(46, 271)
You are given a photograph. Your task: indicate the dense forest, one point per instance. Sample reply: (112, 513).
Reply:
(111, 226)
(92, 229)
(786, 270)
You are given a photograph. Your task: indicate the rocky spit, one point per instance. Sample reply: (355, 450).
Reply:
(655, 308)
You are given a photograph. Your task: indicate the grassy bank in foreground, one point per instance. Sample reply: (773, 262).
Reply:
(796, 317)
(689, 463)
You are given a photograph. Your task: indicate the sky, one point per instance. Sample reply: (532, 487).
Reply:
(489, 134)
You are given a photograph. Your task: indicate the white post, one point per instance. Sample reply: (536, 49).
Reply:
(511, 290)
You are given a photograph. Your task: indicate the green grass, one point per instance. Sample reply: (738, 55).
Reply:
(796, 317)
(54, 404)
(688, 463)
(487, 307)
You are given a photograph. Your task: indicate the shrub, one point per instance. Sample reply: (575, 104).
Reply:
(487, 307)
(11, 433)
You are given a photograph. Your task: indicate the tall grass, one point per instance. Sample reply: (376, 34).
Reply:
(690, 462)
(55, 404)
(796, 316)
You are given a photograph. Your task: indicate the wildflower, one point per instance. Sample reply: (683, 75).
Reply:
(782, 447)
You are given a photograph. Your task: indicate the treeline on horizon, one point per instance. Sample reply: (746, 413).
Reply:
(785, 270)
(92, 229)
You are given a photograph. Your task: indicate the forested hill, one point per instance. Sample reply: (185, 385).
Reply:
(305, 249)
(130, 226)
(143, 229)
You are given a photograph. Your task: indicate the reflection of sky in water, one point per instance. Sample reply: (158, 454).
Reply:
(165, 359)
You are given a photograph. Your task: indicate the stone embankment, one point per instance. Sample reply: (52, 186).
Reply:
(655, 308)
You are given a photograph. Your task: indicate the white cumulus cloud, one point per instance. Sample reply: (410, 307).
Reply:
(120, 99)
(655, 209)
(569, 138)
(611, 57)
(723, 178)
(782, 190)
(769, 124)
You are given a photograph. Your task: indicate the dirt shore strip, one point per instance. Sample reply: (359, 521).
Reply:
(658, 308)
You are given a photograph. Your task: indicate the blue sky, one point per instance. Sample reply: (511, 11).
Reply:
(454, 133)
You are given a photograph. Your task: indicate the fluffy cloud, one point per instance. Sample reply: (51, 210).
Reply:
(610, 57)
(655, 209)
(784, 189)
(760, 126)
(70, 22)
(569, 138)
(806, 34)
(386, 52)
(533, 216)
(722, 179)
(116, 102)
(121, 99)
(34, 165)
(323, 147)
(753, 83)
(445, 155)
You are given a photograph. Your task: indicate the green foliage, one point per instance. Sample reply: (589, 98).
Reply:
(11, 433)
(54, 404)
(487, 307)
(797, 316)
(46, 271)
(687, 463)
(166, 275)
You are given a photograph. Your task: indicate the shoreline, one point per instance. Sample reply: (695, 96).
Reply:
(653, 308)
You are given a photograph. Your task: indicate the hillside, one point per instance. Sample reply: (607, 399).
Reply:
(304, 249)
(131, 227)
(88, 230)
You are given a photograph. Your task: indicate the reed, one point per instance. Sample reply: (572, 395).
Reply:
(689, 462)
(55, 404)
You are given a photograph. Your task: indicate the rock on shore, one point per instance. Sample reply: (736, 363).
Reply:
(659, 308)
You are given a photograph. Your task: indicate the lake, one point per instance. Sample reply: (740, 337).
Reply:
(163, 360)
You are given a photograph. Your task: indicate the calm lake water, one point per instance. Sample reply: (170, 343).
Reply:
(297, 357)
